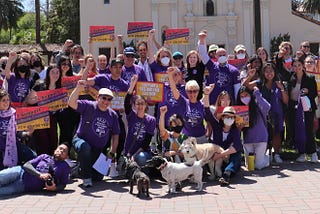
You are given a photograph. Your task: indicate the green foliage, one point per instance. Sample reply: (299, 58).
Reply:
(276, 41)
(311, 6)
(10, 12)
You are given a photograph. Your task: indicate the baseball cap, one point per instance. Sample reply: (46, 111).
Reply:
(129, 51)
(105, 91)
(213, 47)
(177, 54)
(116, 61)
(239, 47)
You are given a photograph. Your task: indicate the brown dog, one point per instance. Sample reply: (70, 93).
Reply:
(136, 176)
(193, 151)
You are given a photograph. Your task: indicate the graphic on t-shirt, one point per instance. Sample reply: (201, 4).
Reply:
(193, 116)
(100, 127)
(3, 127)
(20, 90)
(141, 132)
(171, 99)
(222, 79)
(127, 76)
(114, 88)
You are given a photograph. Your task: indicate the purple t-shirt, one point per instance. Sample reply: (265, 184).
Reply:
(134, 123)
(105, 81)
(102, 124)
(104, 71)
(4, 122)
(18, 88)
(193, 116)
(223, 77)
(156, 68)
(128, 72)
(171, 103)
(42, 164)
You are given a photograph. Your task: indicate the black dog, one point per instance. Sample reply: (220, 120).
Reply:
(136, 176)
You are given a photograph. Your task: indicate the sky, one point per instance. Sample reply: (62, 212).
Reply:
(29, 4)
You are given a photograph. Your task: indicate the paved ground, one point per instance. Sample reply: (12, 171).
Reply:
(289, 188)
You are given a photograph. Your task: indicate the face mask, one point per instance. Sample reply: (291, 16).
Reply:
(222, 60)
(228, 121)
(23, 68)
(177, 129)
(245, 100)
(241, 56)
(37, 64)
(165, 61)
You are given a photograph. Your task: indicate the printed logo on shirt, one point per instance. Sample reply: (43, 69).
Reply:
(171, 99)
(222, 79)
(127, 76)
(114, 88)
(20, 90)
(100, 127)
(3, 127)
(193, 117)
(141, 132)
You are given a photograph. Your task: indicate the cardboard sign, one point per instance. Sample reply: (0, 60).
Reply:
(178, 36)
(101, 33)
(37, 117)
(242, 114)
(238, 63)
(151, 90)
(161, 77)
(117, 101)
(139, 29)
(55, 99)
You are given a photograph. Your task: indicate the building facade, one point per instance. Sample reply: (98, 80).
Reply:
(228, 22)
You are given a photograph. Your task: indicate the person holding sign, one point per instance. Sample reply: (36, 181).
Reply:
(141, 127)
(194, 110)
(226, 134)
(45, 140)
(98, 124)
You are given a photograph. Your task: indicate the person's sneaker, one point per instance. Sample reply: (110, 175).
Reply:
(87, 182)
(301, 158)
(224, 180)
(277, 158)
(113, 172)
(314, 157)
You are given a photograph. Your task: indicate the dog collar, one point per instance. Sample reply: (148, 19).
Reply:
(162, 166)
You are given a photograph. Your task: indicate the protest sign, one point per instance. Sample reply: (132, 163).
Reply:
(55, 99)
(177, 36)
(151, 90)
(37, 117)
(101, 33)
(139, 29)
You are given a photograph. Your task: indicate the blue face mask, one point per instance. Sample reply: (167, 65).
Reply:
(245, 100)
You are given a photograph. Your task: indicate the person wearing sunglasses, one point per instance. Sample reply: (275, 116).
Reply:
(194, 110)
(129, 68)
(98, 124)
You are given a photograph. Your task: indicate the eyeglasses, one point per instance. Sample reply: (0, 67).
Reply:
(65, 64)
(106, 98)
(309, 62)
(192, 91)
(306, 46)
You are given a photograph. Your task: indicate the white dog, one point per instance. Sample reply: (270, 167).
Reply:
(193, 151)
(176, 172)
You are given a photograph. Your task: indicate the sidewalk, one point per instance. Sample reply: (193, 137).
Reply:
(289, 188)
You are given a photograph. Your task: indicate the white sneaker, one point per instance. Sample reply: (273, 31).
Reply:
(113, 170)
(301, 158)
(87, 182)
(314, 157)
(277, 158)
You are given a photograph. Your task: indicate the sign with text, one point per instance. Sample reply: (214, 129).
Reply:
(238, 63)
(118, 100)
(101, 33)
(55, 99)
(37, 117)
(242, 114)
(178, 36)
(70, 83)
(152, 91)
(161, 77)
(139, 29)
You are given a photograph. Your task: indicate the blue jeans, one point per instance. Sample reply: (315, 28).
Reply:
(87, 156)
(234, 164)
(11, 181)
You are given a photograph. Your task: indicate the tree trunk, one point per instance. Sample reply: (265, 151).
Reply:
(37, 6)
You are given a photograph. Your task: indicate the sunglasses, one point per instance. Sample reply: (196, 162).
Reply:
(65, 64)
(130, 55)
(106, 98)
(306, 46)
(309, 62)
(177, 58)
(192, 91)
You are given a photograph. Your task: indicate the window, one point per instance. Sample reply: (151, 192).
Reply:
(209, 8)
(314, 48)
(105, 51)
(106, 1)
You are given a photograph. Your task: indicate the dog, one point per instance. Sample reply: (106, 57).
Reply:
(193, 151)
(137, 177)
(177, 172)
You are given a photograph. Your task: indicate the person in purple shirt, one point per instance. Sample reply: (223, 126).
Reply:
(44, 171)
(18, 81)
(98, 124)
(223, 75)
(141, 127)
(194, 110)
(129, 68)
(225, 134)
(255, 137)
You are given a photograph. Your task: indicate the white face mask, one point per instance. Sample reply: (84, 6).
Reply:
(245, 100)
(165, 61)
(241, 56)
(228, 121)
(222, 59)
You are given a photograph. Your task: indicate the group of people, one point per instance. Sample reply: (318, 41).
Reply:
(198, 99)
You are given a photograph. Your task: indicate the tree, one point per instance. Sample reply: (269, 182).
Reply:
(276, 41)
(38, 24)
(10, 12)
(311, 6)
(64, 21)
